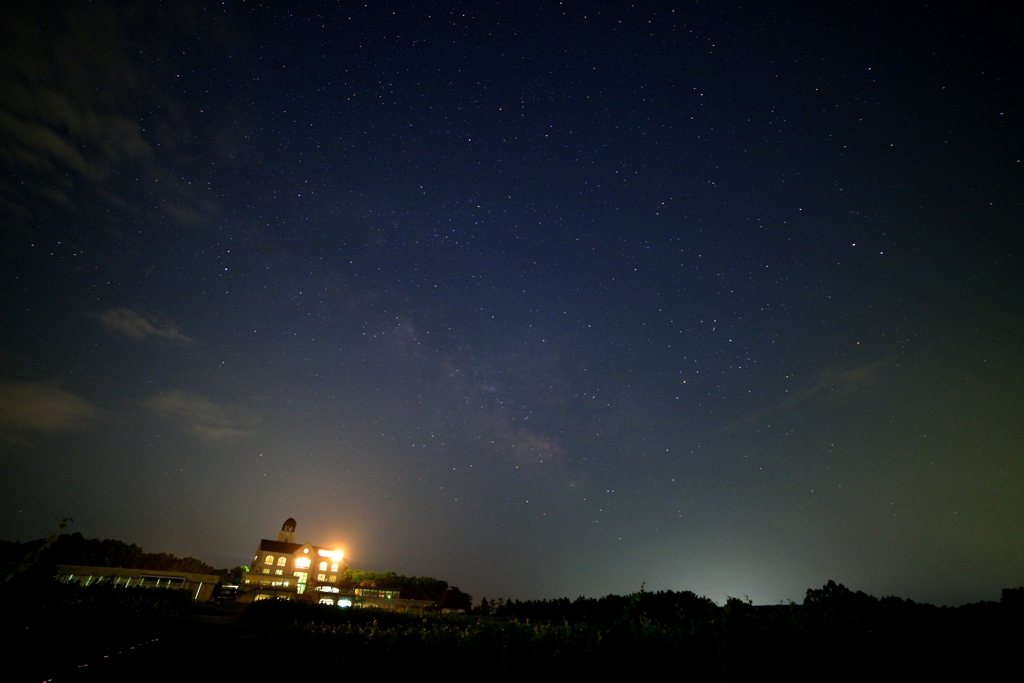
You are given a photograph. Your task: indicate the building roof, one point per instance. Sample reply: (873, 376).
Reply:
(290, 548)
(453, 598)
(79, 570)
(279, 546)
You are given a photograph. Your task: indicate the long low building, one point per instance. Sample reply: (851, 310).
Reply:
(200, 586)
(393, 604)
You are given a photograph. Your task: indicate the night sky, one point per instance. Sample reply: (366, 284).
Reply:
(541, 299)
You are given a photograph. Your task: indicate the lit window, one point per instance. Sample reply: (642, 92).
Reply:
(334, 567)
(279, 572)
(333, 579)
(266, 571)
(321, 577)
(269, 559)
(302, 563)
(281, 561)
(323, 566)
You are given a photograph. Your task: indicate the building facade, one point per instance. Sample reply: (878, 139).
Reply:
(199, 586)
(288, 570)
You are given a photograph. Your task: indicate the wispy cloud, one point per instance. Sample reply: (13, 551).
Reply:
(203, 418)
(33, 408)
(138, 327)
(831, 387)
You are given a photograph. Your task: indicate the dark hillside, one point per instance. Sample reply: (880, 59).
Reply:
(75, 549)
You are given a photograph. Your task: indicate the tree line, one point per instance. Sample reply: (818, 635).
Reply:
(93, 552)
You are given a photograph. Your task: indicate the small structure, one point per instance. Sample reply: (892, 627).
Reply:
(199, 586)
(453, 601)
(283, 569)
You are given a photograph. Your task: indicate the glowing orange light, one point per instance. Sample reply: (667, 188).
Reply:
(335, 555)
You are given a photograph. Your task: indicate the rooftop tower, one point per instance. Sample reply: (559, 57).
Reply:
(287, 533)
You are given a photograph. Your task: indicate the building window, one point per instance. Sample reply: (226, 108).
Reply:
(281, 561)
(332, 579)
(266, 571)
(321, 577)
(334, 567)
(269, 559)
(302, 563)
(323, 566)
(279, 572)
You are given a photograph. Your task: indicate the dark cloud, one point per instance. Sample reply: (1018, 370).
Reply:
(64, 119)
(28, 408)
(87, 122)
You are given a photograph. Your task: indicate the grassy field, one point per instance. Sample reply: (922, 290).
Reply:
(75, 633)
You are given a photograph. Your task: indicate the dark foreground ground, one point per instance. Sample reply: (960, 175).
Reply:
(63, 633)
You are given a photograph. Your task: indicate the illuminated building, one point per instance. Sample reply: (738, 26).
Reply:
(288, 570)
